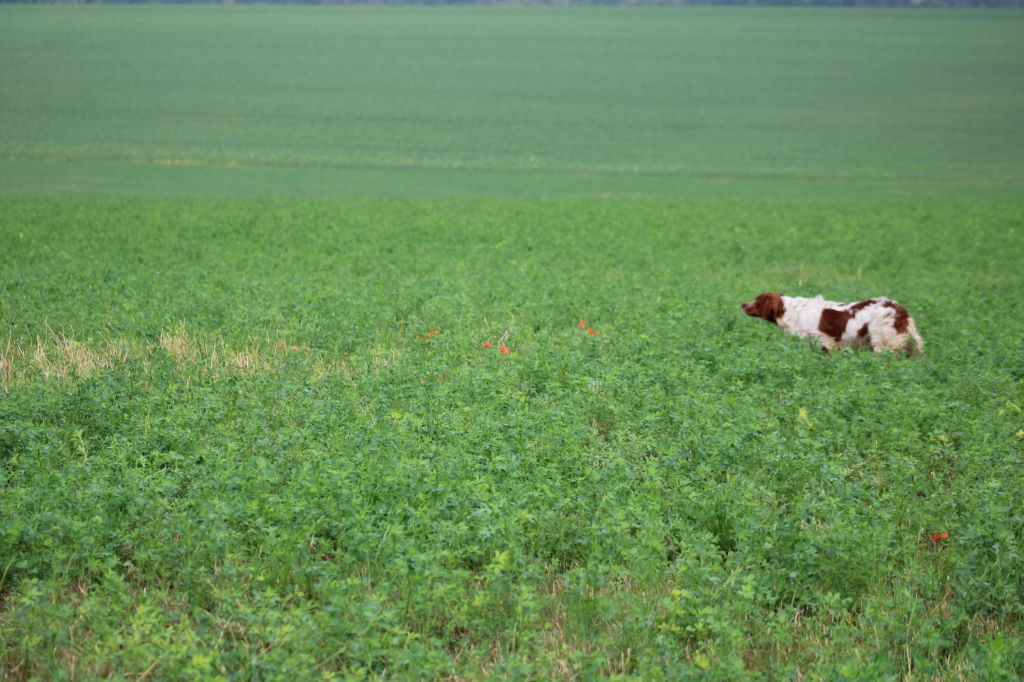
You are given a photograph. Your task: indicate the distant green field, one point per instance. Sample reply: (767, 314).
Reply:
(258, 266)
(508, 101)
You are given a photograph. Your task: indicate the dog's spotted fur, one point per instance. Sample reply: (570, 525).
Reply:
(878, 322)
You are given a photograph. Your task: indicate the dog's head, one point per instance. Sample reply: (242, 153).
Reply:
(767, 306)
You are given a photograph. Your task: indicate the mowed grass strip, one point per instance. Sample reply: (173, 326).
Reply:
(689, 492)
(508, 101)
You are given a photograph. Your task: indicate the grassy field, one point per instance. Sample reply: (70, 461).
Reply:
(513, 101)
(258, 266)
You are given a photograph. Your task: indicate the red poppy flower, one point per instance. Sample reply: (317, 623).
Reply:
(593, 331)
(583, 324)
(939, 536)
(486, 344)
(504, 350)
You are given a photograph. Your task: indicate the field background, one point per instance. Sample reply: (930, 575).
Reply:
(250, 257)
(508, 101)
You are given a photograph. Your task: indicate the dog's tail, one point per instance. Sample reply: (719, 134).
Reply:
(918, 346)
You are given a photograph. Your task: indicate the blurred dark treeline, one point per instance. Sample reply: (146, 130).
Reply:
(737, 3)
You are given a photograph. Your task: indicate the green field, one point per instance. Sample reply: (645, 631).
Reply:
(250, 259)
(509, 101)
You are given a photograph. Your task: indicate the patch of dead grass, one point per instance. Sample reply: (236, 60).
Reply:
(8, 355)
(249, 360)
(60, 357)
(178, 344)
(63, 358)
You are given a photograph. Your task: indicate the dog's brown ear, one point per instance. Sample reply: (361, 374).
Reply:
(770, 306)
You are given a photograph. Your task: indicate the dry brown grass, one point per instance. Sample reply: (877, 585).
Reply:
(248, 360)
(63, 358)
(178, 344)
(213, 354)
(58, 356)
(8, 357)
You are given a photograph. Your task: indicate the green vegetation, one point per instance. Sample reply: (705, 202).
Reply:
(259, 437)
(509, 101)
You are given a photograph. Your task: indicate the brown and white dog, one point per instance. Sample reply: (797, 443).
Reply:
(878, 322)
